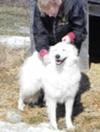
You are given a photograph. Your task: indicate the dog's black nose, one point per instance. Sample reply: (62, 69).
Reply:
(57, 56)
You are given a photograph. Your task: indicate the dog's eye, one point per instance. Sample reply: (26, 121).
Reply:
(63, 50)
(55, 50)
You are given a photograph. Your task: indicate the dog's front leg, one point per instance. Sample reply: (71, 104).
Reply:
(51, 108)
(69, 108)
(21, 103)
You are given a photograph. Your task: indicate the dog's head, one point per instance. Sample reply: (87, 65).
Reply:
(63, 52)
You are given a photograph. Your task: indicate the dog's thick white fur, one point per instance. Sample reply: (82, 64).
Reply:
(59, 79)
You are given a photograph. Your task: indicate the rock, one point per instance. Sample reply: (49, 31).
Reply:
(23, 127)
(43, 127)
(13, 116)
(8, 127)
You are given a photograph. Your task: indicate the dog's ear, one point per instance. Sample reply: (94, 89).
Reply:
(75, 50)
(51, 50)
(74, 58)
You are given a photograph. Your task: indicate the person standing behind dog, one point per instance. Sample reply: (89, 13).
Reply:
(58, 20)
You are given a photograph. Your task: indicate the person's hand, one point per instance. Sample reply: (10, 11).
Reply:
(66, 39)
(46, 59)
(45, 56)
(69, 38)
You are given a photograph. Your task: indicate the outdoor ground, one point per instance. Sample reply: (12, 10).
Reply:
(86, 115)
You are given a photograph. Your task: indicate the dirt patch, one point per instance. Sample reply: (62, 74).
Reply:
(86, 114)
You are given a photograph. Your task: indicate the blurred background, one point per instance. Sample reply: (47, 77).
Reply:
(14, 17)
(15, 23)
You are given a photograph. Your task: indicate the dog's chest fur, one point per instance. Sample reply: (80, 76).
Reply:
(59, 83)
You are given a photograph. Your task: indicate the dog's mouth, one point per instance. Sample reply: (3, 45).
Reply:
(60, 61)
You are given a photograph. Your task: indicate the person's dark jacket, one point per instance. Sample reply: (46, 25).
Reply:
(49, 30)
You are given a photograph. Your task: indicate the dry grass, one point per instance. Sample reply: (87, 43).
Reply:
(13, 19)
(87, 109)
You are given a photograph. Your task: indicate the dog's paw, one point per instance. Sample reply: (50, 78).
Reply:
(54, 126)
(71, 127)
(21, 107)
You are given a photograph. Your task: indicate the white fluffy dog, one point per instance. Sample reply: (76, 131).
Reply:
(59, 79)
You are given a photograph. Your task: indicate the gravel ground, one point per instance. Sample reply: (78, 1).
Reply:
(86, 115)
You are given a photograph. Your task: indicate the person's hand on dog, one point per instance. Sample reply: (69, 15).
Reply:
(66, 39)
(46, 59)
(69, 38)
(45, 56)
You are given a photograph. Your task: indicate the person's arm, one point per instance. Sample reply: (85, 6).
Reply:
(40, 34)
(77, 22)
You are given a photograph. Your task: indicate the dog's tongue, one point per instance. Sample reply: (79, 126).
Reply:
(58, 62)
